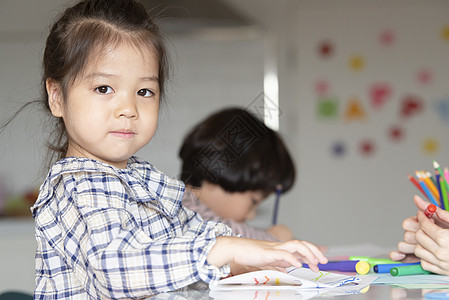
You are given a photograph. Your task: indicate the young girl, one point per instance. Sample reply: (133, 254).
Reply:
(109, 225)
(231, 161)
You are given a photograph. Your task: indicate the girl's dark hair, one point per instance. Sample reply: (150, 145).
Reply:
(80, 34)
(235, 150)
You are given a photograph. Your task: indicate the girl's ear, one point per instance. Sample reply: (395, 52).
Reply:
(54, 97)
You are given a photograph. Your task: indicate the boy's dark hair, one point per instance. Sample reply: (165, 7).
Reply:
(235, 150)
(78, 36)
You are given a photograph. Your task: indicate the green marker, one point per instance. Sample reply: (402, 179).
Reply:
(373, 261)
(408, 270)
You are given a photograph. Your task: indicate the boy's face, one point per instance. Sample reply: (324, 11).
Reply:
(237, 206)
(111, 110)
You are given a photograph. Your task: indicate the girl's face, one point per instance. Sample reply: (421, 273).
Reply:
(237, 206)
(111, 110)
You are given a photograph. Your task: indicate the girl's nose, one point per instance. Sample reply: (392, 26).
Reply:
(127, 108)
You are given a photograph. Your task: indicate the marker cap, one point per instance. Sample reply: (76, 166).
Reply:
(394, 271)
(362, 267)
(431, 209)
(408, 270)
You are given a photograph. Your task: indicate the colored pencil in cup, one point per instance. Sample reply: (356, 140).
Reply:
(426, 189)
(437, 167)
(446, 174)
(416, 183)
(439, 183)
(444, 193)
(433, 189)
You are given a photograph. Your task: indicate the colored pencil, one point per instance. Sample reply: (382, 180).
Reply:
(437, 167)
(416, 183)
(426, 190)
(446, 174)
(439, 184)
(433, 189)
(444, 193)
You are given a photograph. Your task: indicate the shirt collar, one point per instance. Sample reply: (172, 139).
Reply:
(164, 193)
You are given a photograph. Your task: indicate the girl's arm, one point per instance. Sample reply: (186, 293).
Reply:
(124, 261)
(244, 253)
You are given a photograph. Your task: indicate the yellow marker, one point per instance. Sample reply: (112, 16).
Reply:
(362, 267)
(277, 281)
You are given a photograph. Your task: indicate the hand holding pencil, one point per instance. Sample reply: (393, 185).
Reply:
(432, 240)
(426, 239)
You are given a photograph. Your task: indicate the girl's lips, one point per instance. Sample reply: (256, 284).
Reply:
(123, 134)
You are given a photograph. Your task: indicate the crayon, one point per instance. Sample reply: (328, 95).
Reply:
(385, 268)
(408, 270)
(430, 210)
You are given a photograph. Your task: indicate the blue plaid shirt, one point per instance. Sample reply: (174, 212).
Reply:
(104, 232)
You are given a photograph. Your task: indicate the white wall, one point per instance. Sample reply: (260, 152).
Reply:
(354, 198)
(359, 198)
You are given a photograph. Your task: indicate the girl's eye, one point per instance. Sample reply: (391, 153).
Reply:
(145, 93)
(104, 89)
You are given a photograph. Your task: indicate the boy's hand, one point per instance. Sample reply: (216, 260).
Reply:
(281, 232)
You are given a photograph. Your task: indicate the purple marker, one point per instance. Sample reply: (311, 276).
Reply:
(341, 266)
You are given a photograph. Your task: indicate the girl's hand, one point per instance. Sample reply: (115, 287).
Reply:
(247, 254)
(406, 248)
(433, 242)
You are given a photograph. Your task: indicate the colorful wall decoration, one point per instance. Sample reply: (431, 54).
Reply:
(380, 94)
